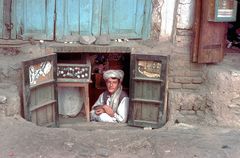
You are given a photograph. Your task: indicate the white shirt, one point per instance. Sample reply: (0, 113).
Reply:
(122, 110)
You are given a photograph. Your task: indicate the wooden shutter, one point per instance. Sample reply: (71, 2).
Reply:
(126, 19)
(33, 19)
(39, 91)
(78, 17)
(148, 90)
(209, 37)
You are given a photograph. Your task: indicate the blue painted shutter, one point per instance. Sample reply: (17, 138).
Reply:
(78, 17)
(33, 18)
(126, 19)
(1, 19)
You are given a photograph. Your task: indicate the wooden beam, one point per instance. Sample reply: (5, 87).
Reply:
(196, 30)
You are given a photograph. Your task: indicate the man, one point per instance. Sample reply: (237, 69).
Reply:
(112, 105)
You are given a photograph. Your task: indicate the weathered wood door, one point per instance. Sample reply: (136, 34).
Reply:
(39, 90)
(78, 17)
(148, 90)
(126, 19)
(33, 19)
(209, 35)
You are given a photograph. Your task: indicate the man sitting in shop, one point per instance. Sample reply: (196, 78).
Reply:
(112, 105)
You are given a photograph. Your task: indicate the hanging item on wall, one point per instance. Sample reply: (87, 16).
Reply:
(222, 10)
(73, 72)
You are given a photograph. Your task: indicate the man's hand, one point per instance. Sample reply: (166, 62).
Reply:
(99, 111)
(108, 110)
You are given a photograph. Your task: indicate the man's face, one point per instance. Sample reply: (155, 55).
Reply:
(112, 85)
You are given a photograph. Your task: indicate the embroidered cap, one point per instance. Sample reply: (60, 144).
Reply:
(113, 74)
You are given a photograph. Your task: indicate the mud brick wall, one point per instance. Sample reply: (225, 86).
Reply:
(186, 98)
(183, 74)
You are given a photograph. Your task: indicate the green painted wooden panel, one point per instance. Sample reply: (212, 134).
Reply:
(137, 113)
(1, 19)
(148, 90)
(78, 17)
(145, 111)
(33, 18)
(42, 94)
(150, 112)
(126, 19)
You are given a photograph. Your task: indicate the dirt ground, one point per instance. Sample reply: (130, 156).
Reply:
(21, 139)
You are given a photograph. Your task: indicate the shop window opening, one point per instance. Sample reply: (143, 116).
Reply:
(233, 32)
(70, 105)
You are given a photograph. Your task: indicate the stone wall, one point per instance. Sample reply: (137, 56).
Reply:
(186, 79)
(187, 100)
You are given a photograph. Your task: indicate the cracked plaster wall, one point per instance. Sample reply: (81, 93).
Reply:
(163, 18)
(173, 20)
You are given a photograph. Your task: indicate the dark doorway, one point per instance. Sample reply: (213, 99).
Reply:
(233, 34)
(99, 62)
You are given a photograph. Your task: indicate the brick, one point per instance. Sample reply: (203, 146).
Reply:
(190, 73)
(177, 73)
(182, 50)
(170, 79)
(182, 63)
(183, 41)
(182, 80)
(191, 86)
(184, 32)
(197, 80)
(195, 66)
(172, 85)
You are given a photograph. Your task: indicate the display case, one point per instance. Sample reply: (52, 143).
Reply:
(74, 73)
(222, 10)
